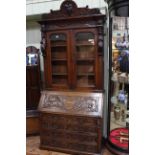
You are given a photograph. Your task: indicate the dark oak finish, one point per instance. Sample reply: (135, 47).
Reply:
(32, 123)
(72, 45)
(32, 81)
(71, 122)
(33, 87)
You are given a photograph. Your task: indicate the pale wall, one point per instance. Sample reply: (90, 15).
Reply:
(34, 7)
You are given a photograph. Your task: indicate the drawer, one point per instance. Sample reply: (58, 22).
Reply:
(70, 136)
(69, 128)
(69, 120)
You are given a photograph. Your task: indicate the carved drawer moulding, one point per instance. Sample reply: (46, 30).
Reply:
(72, 103)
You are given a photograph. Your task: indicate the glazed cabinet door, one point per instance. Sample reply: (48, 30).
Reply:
(57, 60)
(85, 59)
(72, 60)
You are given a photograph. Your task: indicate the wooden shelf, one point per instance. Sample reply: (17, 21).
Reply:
(85, 43)
(59, 74)
(61, 45)
(86, 85)
(86, 59)
(85, 74)
(53, 59)
(31, 66)
(88, 44)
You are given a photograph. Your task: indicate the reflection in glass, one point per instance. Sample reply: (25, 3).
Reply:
(120, 70)
(85, 57)
(119, 133)
(58, 39)
(59, 59)
(31, 59)
(87, 37)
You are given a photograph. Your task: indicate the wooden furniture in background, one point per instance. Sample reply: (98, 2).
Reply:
(32, 78)
(32, 89)
(71, 122)
(32, 123)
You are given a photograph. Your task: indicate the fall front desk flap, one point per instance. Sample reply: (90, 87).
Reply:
(72, 103)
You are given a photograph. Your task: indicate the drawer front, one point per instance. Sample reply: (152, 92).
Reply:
(68, 132)
(70, 136)
(51, 119)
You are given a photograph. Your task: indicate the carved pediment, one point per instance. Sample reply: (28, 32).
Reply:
(69, 9)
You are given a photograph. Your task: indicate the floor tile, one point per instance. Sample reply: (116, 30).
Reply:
(32, 148)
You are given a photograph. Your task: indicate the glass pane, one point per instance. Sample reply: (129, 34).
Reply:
(119, 120)
(85, 80)
(59, 52)
(59, 80)
(59, 59)
(31, 59)
(58, 39)
(85, 57)
(85, 52)
(59, 67)
(85, 67)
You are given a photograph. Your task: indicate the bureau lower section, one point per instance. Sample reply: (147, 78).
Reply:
(71, 134)
(71, 122)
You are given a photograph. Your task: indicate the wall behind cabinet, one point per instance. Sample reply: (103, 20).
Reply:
(34, 7)
(33, 37)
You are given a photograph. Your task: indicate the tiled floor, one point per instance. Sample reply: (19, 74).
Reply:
(32, 148)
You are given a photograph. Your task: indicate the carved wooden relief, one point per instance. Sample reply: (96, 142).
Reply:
(72, 24)
(61, 126)
(69, 9)
(79, 103)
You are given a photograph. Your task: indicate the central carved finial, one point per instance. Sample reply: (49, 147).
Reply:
(68, 6)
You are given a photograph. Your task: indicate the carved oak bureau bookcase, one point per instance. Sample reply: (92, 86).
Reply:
(72, 45)
(71, 122)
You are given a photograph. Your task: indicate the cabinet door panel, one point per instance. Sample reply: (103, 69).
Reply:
(58, 59)
(85, 58)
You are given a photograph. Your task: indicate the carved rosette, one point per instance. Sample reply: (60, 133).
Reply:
(68, 6)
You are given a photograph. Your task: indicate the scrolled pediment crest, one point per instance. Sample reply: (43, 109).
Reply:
(70, 9)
